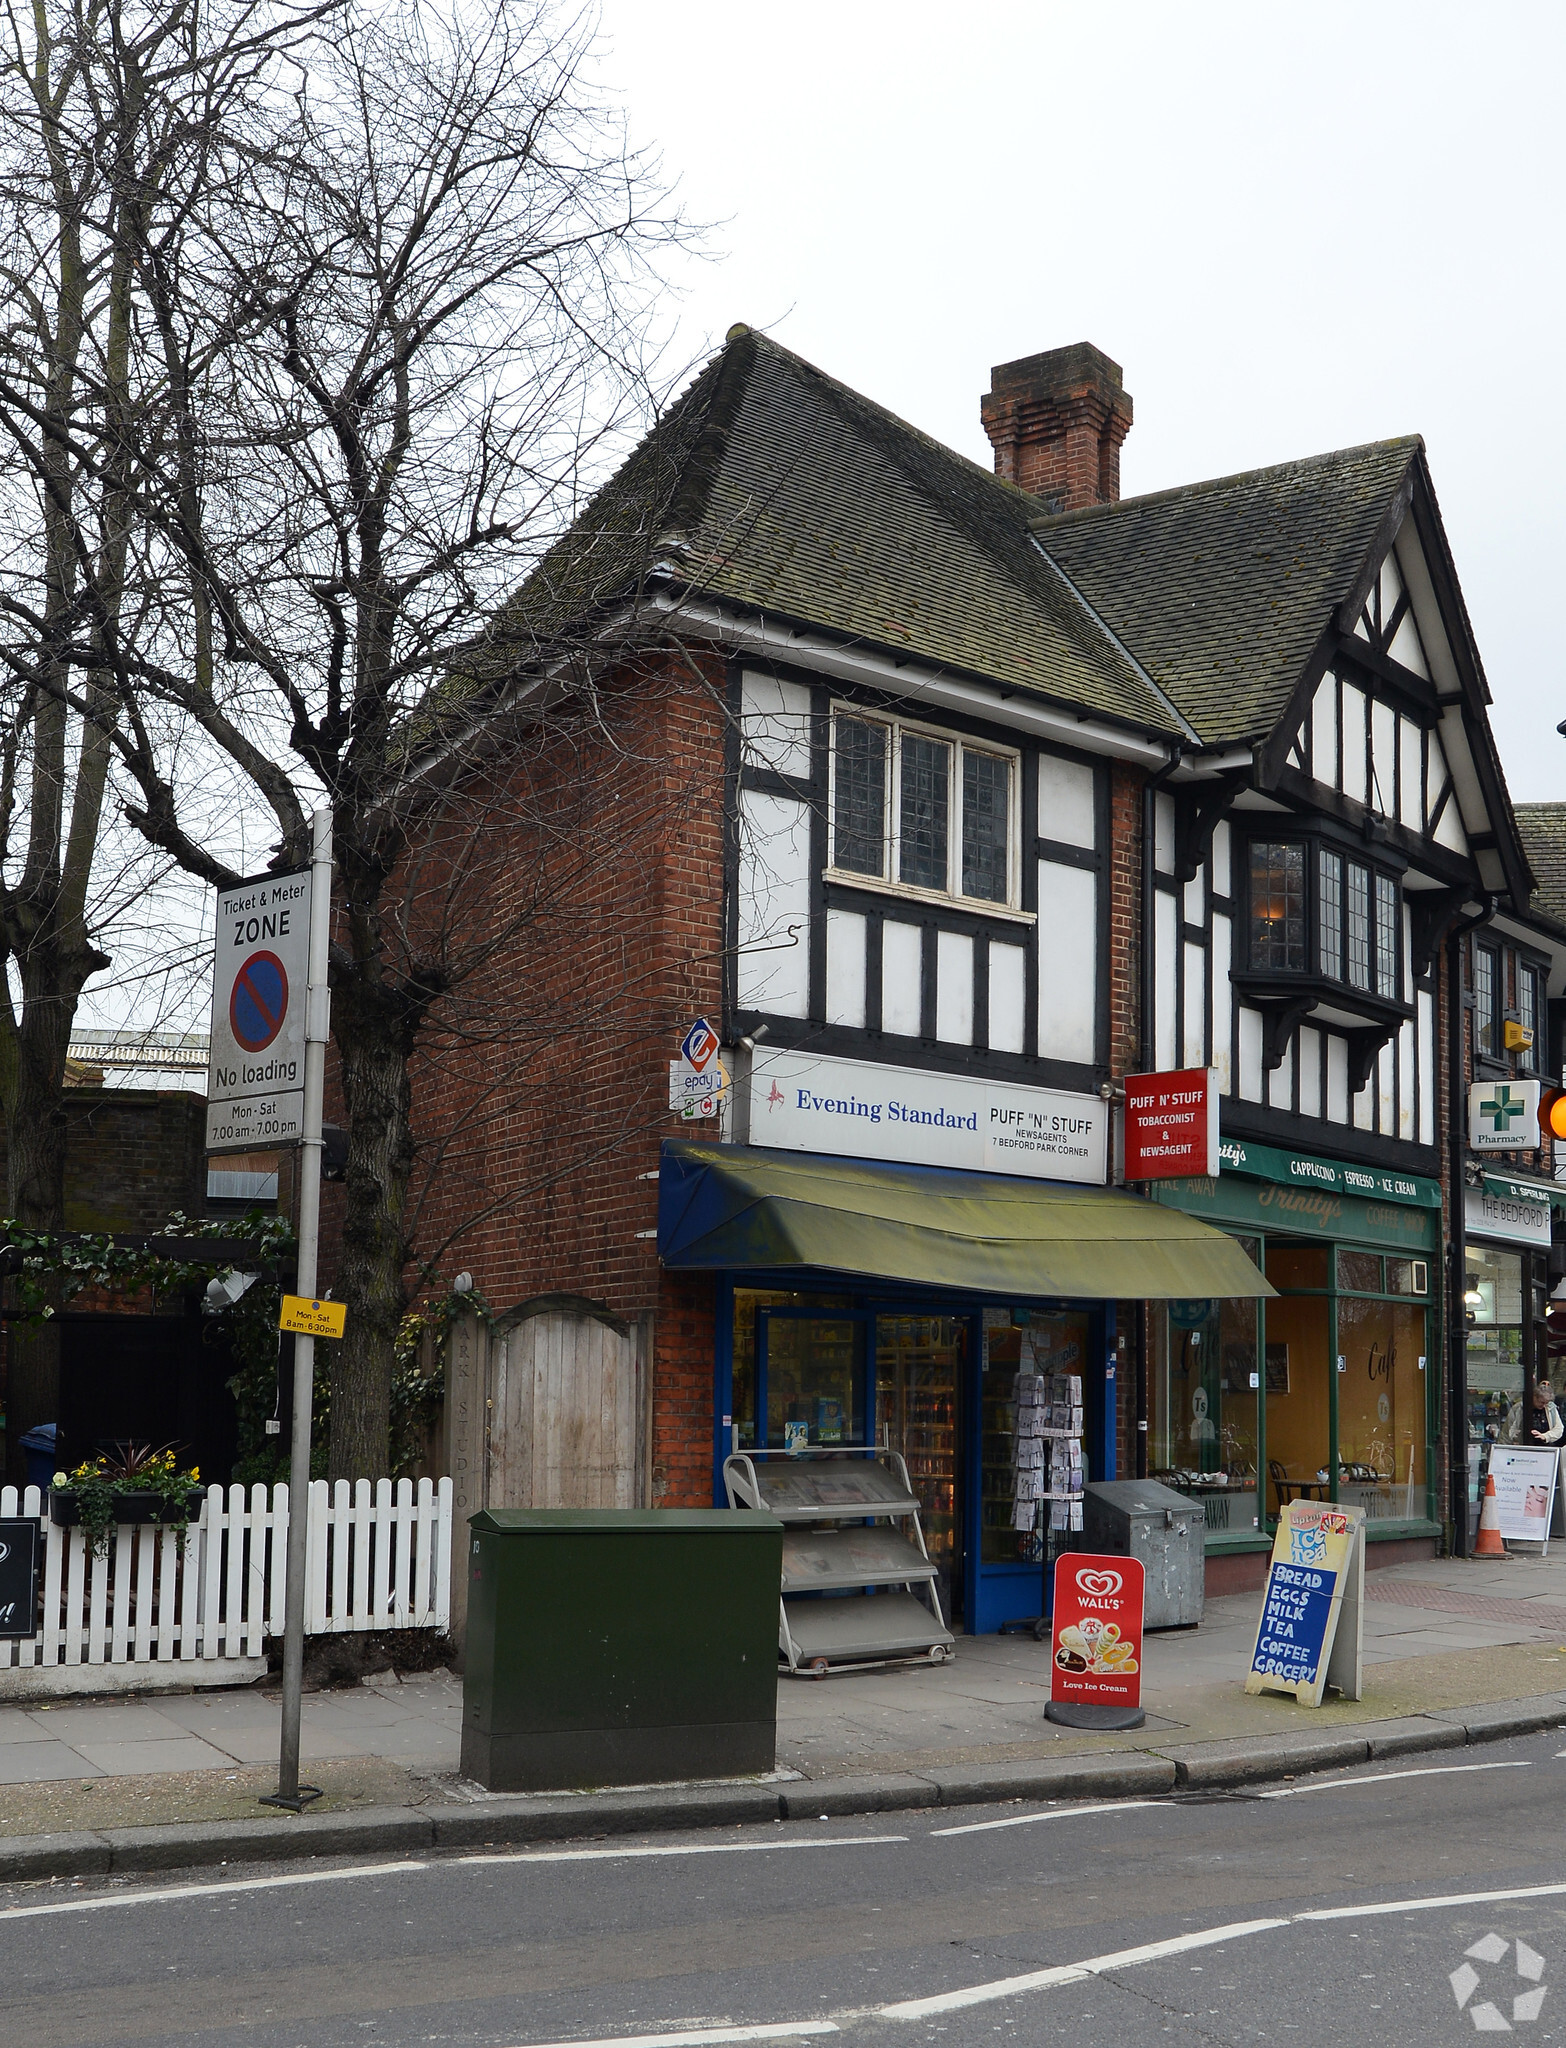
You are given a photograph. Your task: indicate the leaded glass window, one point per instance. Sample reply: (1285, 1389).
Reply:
(1330, 914)
(986, 820)
(1386, 935)
(1484, 1001)
(1357, 925)
(859, 796)
(1277, 906)
(925, 802)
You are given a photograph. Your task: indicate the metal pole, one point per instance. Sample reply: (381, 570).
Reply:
(290, 1792)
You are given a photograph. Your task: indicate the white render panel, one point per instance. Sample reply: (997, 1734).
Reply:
(775, 724)
(1450, 830)
(1008, 997)
(1250, 1089)
(1066, 807)
(954, 987)
(1194, 905)
(1385, 1078)
(1166, 1023)
(1068, 962)
(1407, 648)
(1222, 840)
(1406, 1083)
(1383, 753)
(1424, 1002)
(1310, 1070)
(845, 969)
(1364, 1105)
(1354, 742)
(1280, 1083)
(773, 969)
(1223, 1004)
(1435, 775)
(902, 974)
(1411, 780)
(1163, 832)
(1337, 1079)
(1195, 1047)
(1324, 731)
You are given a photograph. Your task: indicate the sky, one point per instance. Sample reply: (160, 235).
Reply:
(1295, 228)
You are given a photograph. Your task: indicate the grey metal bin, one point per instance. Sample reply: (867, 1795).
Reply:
(1144, 1519)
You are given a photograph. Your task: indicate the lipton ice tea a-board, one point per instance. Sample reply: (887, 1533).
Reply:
(1311, 1631)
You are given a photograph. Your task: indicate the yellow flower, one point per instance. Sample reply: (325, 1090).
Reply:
(195, 1471)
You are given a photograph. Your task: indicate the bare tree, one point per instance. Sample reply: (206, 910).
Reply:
(397, 321)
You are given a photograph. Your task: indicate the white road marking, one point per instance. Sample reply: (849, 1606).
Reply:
(1073, 1973)
(679, 1849)
(1519, 1763)
(696, 2037)
(1180, 1944)
(203, 1891)
(1023, 1820)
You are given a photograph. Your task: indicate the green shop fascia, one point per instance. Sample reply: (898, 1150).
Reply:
(1330, 1391)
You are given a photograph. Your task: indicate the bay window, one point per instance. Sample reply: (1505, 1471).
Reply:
(919, 809)
(1320, 913)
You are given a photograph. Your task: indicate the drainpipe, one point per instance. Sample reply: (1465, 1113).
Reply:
(1457, 1249)
(1150, 789)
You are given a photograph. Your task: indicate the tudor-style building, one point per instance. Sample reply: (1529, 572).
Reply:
(1020, 787)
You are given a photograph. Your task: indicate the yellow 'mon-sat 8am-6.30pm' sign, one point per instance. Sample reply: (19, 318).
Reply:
(306, 1318)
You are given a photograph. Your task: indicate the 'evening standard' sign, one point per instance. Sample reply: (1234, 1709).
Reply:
(255, 1079)
(804, 1102)
(1305, 1640)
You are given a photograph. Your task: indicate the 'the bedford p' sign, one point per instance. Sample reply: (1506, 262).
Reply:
(1098, 1630)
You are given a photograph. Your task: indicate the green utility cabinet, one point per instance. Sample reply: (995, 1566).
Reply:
(619, 1646)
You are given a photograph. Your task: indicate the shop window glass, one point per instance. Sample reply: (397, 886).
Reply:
(1277, 906)
(1485, 980)
(747, 1301)
(986, 819)
(926, 802)
(814, 1380)
(1202, 1385)
(1359, 1271)
(1299, 1265)
(1297, 1362)
(919, 1363)
(1330, 914)
(859, 796)
(1382, 1411)
(1493, 1302)
(1386, 936)
(1357, 926)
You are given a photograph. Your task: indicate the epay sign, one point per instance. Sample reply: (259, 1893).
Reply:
(255, 1078)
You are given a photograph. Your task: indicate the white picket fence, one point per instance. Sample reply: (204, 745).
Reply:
(376, 1558)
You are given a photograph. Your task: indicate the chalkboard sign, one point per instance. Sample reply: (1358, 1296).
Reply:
(19, 1577)
(1311, 1629)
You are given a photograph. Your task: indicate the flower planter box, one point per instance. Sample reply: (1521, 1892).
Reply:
(130, 1506)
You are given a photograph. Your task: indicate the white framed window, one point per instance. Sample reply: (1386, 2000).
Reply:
(919, 810)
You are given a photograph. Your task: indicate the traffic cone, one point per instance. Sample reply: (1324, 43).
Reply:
(1489, 1542)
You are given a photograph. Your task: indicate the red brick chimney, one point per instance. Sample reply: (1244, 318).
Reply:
(1056, 422)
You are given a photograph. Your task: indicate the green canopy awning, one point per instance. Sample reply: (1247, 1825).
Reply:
(733, 1207)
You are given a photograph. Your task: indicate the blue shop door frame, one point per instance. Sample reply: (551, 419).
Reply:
(998, 1592)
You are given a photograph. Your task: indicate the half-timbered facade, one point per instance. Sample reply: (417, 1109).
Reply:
(1020, 787)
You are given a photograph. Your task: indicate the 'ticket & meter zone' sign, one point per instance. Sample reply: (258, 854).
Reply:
(802, 1102)
(255, 1079)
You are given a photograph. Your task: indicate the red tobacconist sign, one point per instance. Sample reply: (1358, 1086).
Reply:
(1171, 1124)
(1098, 1630)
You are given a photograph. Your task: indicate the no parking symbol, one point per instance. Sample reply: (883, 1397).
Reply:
(258, 1001)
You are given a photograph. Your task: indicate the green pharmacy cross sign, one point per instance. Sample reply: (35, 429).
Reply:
(1503, 1116)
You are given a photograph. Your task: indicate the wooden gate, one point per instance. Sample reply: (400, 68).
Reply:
(565, 1426)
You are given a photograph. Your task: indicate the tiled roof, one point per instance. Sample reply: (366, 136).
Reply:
(1222, 590)
(1542, 828)
(772, 485)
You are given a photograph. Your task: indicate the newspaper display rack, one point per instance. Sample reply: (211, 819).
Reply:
(850, 1527)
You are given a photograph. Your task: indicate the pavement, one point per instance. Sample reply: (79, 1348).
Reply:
(1455, 1652)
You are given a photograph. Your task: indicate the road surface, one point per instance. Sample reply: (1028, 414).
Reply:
(1412, 1903)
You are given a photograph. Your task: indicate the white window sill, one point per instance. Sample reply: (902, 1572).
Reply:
(903, 892)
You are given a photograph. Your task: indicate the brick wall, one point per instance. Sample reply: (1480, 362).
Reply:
(132, 1157)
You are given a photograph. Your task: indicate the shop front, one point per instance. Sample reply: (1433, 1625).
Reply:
(1506, 1224)
(861, 1303)
(1328, 1389)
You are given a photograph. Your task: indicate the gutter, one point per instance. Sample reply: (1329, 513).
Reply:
(1457, 1242)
